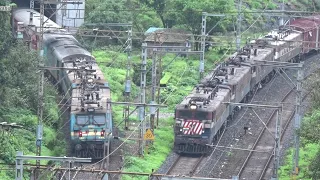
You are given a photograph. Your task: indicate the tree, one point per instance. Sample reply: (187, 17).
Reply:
(311, 123)
(159, 6)
(5, 35)
(107, 11)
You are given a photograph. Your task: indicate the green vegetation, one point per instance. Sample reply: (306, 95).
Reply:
(18, 102)
(18, 97)
(157, 152)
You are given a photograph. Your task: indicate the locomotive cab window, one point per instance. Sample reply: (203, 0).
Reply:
(185, 114)
(99, 119)
(82, 120)
(199, 115)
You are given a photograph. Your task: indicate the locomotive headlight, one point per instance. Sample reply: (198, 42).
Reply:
(90, 80)
(193, 106)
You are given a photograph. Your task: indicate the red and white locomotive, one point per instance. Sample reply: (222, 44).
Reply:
(203, 113)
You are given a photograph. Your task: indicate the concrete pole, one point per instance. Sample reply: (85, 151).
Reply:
(281, 20)
(127, 89)
(142, 96)
(238, 41)
(277, 145)
(297, 122)
(203, 43)
(32, 4)
(154, 88)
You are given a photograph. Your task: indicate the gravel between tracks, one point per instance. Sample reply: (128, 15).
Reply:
(216, 165)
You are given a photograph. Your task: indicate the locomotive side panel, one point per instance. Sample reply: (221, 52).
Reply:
(222, 111)
(260, 72)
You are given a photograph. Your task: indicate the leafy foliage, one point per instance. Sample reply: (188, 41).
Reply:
(309, 132)
(5, 35)
(18, 100)
(107, 11)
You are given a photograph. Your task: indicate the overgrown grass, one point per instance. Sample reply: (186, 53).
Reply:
(157, 152)
(306, 154)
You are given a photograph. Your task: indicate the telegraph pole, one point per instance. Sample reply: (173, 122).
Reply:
(238, 41)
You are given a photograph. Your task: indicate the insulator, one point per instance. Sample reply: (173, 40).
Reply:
(128, 86)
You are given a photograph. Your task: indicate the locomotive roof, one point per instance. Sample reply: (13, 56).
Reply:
(66, 47)
(282, 41)
(23, 15)
(239, 72)
(218, 99)
(104, 92)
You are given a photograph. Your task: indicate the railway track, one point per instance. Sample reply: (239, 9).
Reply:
(256, 163)
(184, 166)
(256, 160)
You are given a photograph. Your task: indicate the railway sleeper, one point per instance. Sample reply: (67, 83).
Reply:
(192, 149)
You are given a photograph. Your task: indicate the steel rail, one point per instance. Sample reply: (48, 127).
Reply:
(192, 171)
(173, 165)
(282, 134)
(196, 166)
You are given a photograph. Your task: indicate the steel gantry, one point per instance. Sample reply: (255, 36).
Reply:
(203, 39)
(20, 158)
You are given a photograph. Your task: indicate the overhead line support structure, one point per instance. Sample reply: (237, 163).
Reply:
(203, 39)
(298, 115)
(40, 89)
(297, 123)
(238, 40)
(20, 158)
(155, 80)
(31, 4)
(127, 89)
(161, 49)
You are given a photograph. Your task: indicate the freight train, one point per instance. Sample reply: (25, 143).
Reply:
(201, 116)
(79, 77)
